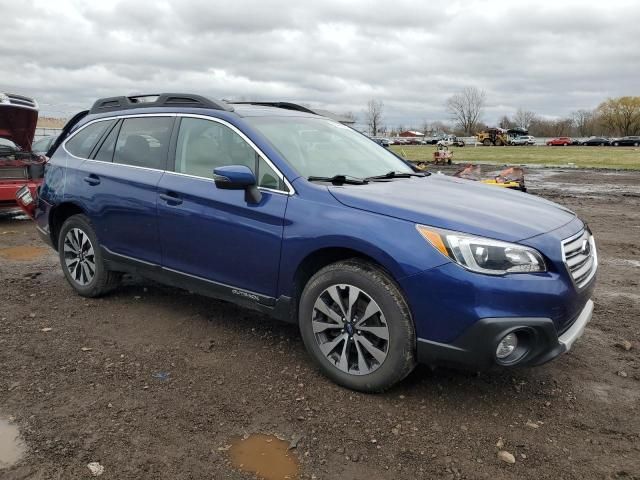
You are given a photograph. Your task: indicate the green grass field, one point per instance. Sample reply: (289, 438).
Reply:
(582, 157)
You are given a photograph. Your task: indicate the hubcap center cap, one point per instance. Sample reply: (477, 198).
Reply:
(350, 329)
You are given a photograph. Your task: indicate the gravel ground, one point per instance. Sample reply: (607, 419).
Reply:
(154, 382)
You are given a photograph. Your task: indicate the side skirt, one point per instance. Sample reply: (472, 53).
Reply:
(280, 308)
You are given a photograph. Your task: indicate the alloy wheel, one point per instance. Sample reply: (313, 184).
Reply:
(79, 256)
(350, 329)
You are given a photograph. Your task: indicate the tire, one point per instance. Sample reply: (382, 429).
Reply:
(616, 144)
(565, 144)
(343, 353)
(77, 235)
(486, 142)
(636, 144)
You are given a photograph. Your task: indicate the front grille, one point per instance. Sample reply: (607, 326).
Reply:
(13, 173)
(580, 257)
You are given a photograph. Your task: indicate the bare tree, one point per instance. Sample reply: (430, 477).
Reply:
(562, 127)
(524, 118)
(425, 127)
(438, 128)
(466, 108)
(374, 115)
(505, 122)
(352, 117)
(584, 121)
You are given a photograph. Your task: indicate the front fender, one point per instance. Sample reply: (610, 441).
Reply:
(312, 225)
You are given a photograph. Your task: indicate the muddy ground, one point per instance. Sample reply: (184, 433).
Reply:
(154, 382)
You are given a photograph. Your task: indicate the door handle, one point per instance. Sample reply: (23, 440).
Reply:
(170, 198)
(92, 180)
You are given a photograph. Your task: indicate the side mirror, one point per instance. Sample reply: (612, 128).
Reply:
(238, 177)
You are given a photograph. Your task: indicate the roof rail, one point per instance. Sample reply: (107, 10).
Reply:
(18, 101)
(285, 105)
(158, 100)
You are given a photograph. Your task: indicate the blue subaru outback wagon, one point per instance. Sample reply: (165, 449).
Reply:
(293, 214)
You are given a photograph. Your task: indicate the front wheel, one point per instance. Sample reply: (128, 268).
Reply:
(357, 326)
(81, 259)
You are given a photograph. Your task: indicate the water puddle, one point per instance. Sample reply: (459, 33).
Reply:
(266, 456)
(11, 446)
(22, 253)
(623, 262)
(589, 188)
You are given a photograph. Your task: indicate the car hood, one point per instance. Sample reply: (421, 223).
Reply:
(458, 204)
(18, 124)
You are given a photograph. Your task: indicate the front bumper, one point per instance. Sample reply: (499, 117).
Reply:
(541, 342)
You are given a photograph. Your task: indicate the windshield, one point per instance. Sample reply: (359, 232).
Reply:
(319, 147)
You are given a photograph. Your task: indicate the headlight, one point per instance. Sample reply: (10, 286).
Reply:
(484, 255)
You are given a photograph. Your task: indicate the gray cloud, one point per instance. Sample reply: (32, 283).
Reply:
(550, 57)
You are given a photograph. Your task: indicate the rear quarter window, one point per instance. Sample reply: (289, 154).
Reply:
(82, 143)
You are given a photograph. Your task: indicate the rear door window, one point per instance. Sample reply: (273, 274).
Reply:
(82, 143)
(105, 151)
(144, 142)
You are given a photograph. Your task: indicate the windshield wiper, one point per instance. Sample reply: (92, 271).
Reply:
(340, 180)
(394, 174)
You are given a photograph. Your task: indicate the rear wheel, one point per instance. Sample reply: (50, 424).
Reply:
(81, 259)
(636, 144)
(486, 142)
(357, 327)
(616, 144)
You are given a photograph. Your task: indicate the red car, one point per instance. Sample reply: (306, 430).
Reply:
(18, 165)
(563, 141)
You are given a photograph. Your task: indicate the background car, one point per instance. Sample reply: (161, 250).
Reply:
(19, 166)
(42, 145)
(631, 141)
(524, 140)
(563, 141)
(381, 141)
(451, 140)
(596, 141)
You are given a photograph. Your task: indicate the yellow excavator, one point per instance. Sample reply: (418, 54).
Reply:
(499, 136)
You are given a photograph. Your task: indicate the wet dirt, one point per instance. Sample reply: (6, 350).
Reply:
(22, 253)
(264, 455)
(12, 447)
(231, 371)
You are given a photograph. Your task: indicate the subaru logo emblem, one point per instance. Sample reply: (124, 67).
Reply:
(585, 247)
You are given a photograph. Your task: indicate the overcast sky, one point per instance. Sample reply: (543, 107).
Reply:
(551, 57)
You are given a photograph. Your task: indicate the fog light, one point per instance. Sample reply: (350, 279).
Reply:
(507, 345)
